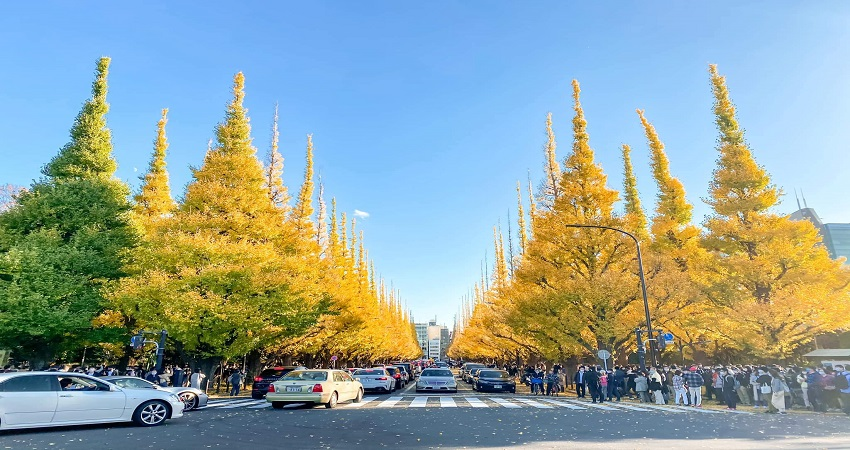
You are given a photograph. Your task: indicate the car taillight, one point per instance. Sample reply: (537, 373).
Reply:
(381, 378)
(317, 388)
(271, 388)
(258, 379)
(398, 375)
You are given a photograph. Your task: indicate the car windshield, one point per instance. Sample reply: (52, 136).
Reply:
(473, 366)
(370, 372)
(275, 372)
(391, 370)
(304, 375)
(494, 374)
(436, 373)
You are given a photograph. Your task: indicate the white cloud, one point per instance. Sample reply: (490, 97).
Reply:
(361, 214)
(135, 169)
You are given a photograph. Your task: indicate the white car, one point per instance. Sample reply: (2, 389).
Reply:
(377, 379)
(439, 380)
(192, 398)
(314, 386)
(50, 399)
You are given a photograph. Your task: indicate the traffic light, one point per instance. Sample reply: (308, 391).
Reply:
(138, 341)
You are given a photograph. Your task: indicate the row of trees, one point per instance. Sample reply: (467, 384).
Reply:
(751, 282)
(235, 268)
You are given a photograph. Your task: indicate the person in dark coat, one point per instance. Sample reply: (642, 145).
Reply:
(581, 382)
(592, 381)
(729, 393)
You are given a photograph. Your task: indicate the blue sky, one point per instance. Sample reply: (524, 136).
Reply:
(426, 114)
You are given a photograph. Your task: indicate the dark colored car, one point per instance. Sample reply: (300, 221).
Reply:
(494, 380)
(268, 376)
(464, 373)
(396, 374)
(408, 367)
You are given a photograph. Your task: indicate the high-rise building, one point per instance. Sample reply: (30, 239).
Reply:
(836, 236)
(433, 339)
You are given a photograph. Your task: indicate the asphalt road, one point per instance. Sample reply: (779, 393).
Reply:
(531, 423)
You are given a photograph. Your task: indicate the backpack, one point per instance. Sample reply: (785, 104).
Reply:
(841, 381)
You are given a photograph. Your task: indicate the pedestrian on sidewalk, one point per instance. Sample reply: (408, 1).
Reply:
(196, 379)
(729, 387)
(580, 382)
(842, 383)
(694, 381)
(777, 389)
(679, 390)
(804, 386)
(642, 387)
(236, 379)
(592, 380)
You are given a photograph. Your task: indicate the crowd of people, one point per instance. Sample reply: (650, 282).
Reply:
(772, 388)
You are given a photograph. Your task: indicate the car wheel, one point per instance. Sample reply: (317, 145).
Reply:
(278, 405)
(151, 414)
(190, 401)
(332, 402)
(359, 397)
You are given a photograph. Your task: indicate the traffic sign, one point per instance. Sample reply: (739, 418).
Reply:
(333, 358)
(668, 338)
(603, 354)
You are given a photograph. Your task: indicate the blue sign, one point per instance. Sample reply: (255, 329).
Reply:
(668, 337)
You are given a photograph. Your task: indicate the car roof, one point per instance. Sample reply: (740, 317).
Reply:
(7, 375)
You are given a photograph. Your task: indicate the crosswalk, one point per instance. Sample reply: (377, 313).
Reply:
(434, 401)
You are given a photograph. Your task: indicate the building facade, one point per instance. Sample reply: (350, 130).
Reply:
(434, 340)
(836, 236)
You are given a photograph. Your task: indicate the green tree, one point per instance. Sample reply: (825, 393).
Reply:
(221, 275)
(154, 199)
(63, 241)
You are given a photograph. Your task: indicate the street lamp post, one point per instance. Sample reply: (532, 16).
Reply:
(641, 350)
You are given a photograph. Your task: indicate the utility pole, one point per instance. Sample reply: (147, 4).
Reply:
(160, 351)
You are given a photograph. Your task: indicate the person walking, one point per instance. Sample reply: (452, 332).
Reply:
(196, 379)
(236, 379)
(777, 389)
(592, 381)
(655, 386)
(804, 387)
(842, 384)
(679, 390)
(603, 385)
(694, 382)
(728, 379)
(642, 387)
(579, 380)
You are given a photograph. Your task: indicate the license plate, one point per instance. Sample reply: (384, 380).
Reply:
(293, 389)
(440, 383)
(497, 386)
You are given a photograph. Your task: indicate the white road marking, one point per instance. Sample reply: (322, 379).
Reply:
(229, 402)
(475, 403)
(504, 403)
(419, 402)
(362, 402)
(564, 404)
(447, 402)
(390, 402)
(533, 403)
(594, 405)
(247, 404)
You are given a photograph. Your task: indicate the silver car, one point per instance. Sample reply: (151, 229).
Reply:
(436, 380)
(192, 398)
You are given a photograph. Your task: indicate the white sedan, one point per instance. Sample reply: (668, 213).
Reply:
(436, 380)
(328, 387)
(192, 398)
(375, 379)
(49, 399)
